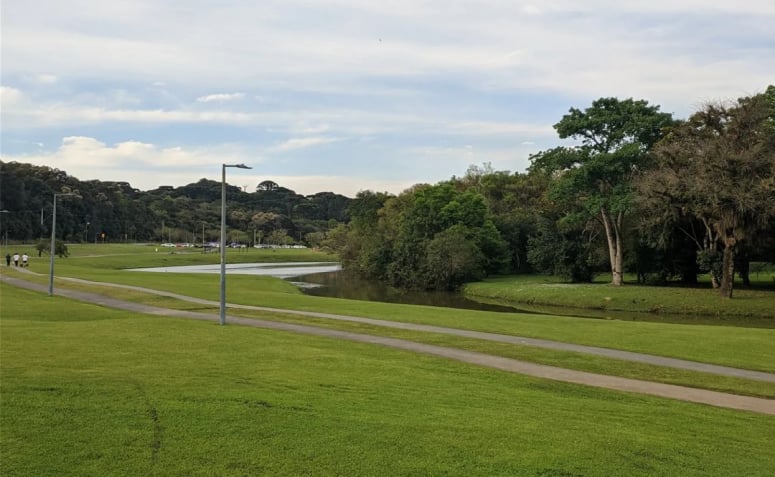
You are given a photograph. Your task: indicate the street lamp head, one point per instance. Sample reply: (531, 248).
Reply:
(238, 166)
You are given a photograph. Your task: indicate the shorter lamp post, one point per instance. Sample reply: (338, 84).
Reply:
(223, 237)
(53, 242)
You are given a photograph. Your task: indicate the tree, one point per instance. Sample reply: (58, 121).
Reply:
(452, 258)
(718, 169)
(42, 247)
(60, 249)
(565, 253)
(428, 237)
(594, 179)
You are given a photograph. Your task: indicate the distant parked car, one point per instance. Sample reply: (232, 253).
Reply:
(168, 244)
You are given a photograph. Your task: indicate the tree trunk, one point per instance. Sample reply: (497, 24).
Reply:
(613, 236)
(728, 271)
(743, 267)
(709, 246)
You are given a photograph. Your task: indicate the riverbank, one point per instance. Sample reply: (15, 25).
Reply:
(537, 290)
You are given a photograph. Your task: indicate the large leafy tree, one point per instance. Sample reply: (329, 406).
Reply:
(594, 179)
(718, 169)
(428, 237)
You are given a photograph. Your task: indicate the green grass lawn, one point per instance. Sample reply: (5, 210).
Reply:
(732, 346)
(741, 347)
(119, 256)
(91, 391)
(758, 302)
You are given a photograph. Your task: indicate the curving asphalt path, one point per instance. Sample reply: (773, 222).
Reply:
(714, 398)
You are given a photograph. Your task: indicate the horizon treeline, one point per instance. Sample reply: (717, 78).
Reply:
(637, 191)
(107, 211)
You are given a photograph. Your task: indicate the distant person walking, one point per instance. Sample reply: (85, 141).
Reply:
(25, 260)
(7, 259)
(16, 259)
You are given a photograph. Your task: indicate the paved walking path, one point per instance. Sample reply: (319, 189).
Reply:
(511, 339)
(714, 398)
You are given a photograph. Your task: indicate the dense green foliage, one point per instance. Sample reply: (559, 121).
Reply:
(631, 196)
(717, 170)
(594, 180)
(427, 237)
(116, 212)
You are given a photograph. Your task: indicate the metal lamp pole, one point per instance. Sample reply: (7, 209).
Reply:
(223, 237)
(53, 242)
(5, 244)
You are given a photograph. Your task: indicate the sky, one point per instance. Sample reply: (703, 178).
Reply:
(348, 95)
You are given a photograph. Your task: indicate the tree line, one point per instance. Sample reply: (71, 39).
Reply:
(638, 191)
(103, 211)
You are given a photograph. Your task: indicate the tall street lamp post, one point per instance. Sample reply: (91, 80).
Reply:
(223, 237)
(53, 242)
(6, 229)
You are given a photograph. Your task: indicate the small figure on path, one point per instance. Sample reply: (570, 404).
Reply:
(7, 259)
(16, 259)
(25, 260)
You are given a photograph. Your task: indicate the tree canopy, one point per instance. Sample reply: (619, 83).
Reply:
(717, 169)
(594, 179)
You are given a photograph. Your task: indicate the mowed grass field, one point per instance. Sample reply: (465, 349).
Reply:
(89, 391)
(701, 301)
(92, 391)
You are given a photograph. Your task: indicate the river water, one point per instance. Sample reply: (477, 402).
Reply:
(327, 279)
(345, 285)
(280, 270)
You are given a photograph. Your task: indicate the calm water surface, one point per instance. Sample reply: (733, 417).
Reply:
(279, 270)
(327, 279)
(343, 285)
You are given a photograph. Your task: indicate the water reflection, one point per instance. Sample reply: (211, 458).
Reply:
(345, 285)
(279, 270)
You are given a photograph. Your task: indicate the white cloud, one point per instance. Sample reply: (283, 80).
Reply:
(304, 142)
(88, 158)
(63, 114)
(340, 184)
(531, 10)
(9, 96)
(220, 97)
(45, 79)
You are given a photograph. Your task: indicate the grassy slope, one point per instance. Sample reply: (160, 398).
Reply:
(539, 290)
(733, 346)
(555, 358)
(90, 391)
